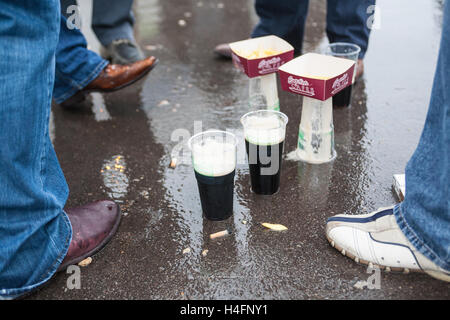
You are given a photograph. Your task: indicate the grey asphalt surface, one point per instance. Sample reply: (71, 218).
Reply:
(161, 208)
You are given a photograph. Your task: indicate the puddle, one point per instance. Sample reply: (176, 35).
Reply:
(190, 91)
(114, 177)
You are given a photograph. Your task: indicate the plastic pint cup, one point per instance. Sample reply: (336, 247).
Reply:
(214, 162)
(348, 51)
(263, 93)
(264, 132)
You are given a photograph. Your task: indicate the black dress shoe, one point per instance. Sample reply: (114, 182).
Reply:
(223, 50)
(122, 51)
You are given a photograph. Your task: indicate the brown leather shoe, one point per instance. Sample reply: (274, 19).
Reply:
(223, 50)
(114, 77)
(93, 226)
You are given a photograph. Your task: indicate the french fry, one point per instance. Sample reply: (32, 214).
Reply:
(275, 227)
(258, 53)
(85, 262)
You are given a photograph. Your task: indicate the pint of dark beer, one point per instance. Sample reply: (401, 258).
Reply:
(264, 132)
(347, 51)
(214, 161)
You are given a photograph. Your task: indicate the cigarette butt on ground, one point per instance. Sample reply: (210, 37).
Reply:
(85, 262)
(220, 234)
(173, 163)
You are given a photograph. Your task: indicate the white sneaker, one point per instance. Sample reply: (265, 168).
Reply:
(376, 239)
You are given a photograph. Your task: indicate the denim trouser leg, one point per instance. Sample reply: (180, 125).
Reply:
(347, 22)
(76, 66)
(34, 230)
(424, 215)
(283, 18)
(112, 20)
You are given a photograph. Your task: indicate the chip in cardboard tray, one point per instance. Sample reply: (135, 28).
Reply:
(262, 55)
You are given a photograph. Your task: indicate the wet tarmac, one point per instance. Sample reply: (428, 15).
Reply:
(119, 146)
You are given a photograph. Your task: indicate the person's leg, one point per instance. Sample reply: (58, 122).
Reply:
(347, 22)
(414, 235)
(76, 66)
(65, 4)
(283, 18)
(34, 230)
(424, 215)
(112, 20)
(79, 70)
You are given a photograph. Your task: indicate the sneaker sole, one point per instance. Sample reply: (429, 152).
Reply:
(435, 274)
(438, 275)
(371, 264)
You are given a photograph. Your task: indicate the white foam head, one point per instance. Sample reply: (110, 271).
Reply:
(264, 127)
(213, 155)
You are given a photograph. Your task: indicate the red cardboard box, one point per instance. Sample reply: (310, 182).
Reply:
(258, 66)
(316, 76)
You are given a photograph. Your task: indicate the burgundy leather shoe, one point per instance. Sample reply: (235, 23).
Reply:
(223, 50)
(114, 77)
(93, 226)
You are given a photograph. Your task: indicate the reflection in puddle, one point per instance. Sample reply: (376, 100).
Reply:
(197, 110)
(316, 181)
(114, 177)
(99, 107)
(184, 98)
(189, 86)
(194, 230)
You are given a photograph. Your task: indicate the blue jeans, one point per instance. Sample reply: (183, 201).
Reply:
(424, 215)
(34, 230)
(76, 66)
(111, 19)
(346, 21)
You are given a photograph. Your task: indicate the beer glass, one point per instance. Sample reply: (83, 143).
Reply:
(214, 162)
(347, 51)
(264, 132)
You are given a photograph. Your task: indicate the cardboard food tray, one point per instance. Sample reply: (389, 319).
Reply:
(316, 76)
(259, 66)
